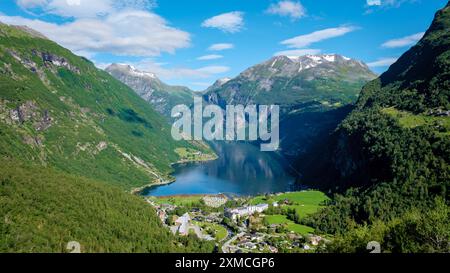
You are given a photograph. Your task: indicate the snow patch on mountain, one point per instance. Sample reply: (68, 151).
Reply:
(136, 72)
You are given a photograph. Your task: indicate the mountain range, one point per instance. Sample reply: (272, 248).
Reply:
(76, 139)
(292, 81)
(148, 86)
(313, 92)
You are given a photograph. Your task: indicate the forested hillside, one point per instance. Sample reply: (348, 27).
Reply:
(390, 157)
(58, 109)
(73, 142)
(44, 209)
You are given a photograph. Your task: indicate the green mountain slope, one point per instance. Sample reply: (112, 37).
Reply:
(310, 90)
(58, 109)
(390, 157)
(43, 209)
(161, 96)
(291, 81)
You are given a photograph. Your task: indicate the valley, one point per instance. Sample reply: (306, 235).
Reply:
(240, 169)
(87, 154)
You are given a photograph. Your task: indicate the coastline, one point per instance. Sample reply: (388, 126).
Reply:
(138, 190)
(190, 195)
(172, 179)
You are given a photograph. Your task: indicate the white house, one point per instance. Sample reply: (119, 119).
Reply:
(183, 224)
(244, 211)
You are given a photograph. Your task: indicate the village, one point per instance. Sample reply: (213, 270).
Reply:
(263, 224)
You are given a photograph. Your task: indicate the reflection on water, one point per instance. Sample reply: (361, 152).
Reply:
(241, 169)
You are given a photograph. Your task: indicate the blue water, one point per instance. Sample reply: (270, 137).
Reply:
(242, 169)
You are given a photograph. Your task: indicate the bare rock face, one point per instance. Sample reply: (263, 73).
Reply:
(35, 141)
(51, 59)
(102, 145)
(44, 123)
(30, 112)
(27, 111)
(27, 114)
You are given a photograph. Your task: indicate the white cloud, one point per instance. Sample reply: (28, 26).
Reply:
(404, 41)
(317, 36)
(26, 4)
(83, 8)
(180, 73)
(131, 32)
(209, 57)
(294, 10)
(212, 70)
(382, 62)
(374, 2)
(220, 47)
(298, 52)
(227, 22)
(202, 84)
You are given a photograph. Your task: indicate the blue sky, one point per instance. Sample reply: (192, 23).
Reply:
(195, 42)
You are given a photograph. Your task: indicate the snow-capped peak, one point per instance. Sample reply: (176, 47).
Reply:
(304, 62)
(138, 73)
(223, 81)
(134, 71)
(330, 58)
(322, 58)
(293, 58)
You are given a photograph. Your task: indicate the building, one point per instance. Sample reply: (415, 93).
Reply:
(182, 224)
(315, 240)
(245, 211)
(215, 201)
(162, 215)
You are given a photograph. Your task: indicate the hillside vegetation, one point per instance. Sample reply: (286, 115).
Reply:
(44, 209)
(390, 157)
(73, 142)
(58, 109)
(161, 96)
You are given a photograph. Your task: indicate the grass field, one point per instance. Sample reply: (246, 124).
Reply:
(305, 202)
(192, 155)
(291, 226)
(220, 231)
(181, 200)
(301, 197)
(409, 120)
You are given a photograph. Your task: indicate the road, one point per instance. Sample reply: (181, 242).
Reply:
(226, 245)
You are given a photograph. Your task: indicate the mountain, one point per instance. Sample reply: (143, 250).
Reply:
(312, 92)
(390, 158)
(74, 141)
(58, 109)
(161, 96)
(291, 81)
(217, 84)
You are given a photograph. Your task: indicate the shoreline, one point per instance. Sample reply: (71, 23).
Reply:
(186, 161)
(188, 195)
(138, 190)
